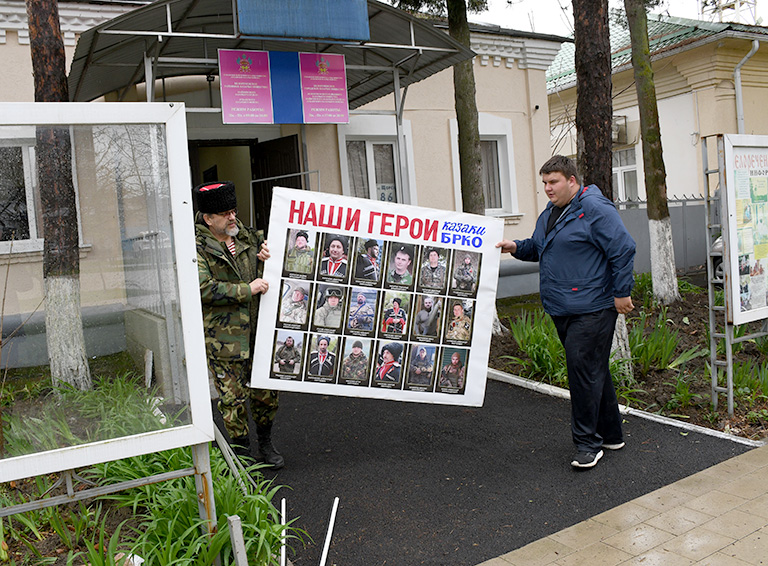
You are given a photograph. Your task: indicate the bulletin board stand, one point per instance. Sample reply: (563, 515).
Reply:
(721, 317)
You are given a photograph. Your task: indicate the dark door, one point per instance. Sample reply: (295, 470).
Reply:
(273, 158)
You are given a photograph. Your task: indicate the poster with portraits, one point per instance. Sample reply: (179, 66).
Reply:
(370, 299)
(746, 224)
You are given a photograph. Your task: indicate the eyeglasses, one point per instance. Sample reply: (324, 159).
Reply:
(232, 212)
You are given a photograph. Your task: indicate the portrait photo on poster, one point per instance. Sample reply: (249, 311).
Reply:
(453, 370)
(465, 274)
(433, 270)
(330, 305)
(294, 304)
(299, 262)
(361, 314)
(400, 266)
(321, 363)
(288, 355)
(421, 368)
(427, 318)
(368, 254)
(356, 365)
(395, 316)
(458, 324)
(388, 372)
(334, 264)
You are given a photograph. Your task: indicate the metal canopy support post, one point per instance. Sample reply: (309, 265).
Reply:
(399, 145)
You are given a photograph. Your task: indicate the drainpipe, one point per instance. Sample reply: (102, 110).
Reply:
(737, 85)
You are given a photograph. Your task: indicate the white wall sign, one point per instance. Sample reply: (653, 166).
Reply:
(370, 299)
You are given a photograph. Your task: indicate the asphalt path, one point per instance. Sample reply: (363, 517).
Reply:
(455, 486)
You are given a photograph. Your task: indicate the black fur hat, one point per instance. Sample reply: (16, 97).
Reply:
(213, 198)
(394, 348)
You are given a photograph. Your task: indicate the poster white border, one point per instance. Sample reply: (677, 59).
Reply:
(393, 224)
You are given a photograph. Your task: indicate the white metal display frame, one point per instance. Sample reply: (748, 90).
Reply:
(200, 431)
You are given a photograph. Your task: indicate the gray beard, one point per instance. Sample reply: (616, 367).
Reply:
(232, 232)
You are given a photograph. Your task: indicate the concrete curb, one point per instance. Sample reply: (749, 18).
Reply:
(565, 394)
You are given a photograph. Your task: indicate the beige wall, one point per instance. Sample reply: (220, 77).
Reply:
(696, 98)
(508, 93)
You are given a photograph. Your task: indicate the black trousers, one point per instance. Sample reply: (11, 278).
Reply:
(594, 408)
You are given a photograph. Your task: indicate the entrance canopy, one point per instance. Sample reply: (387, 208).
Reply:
(171, 38)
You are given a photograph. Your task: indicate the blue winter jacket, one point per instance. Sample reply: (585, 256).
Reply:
(586, 259)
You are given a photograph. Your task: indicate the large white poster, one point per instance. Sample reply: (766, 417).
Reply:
(371, 299)
(747, 227)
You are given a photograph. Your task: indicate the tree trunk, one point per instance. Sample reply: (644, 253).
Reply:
(663, 275)
(470, 159)
(61, 259)
(594, 107)
(594, 112)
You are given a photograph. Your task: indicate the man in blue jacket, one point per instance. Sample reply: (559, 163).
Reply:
(585, 257)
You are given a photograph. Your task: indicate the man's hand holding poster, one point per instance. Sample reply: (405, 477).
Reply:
(370, 299)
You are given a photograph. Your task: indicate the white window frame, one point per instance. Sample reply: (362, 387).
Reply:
(620, 190)
(492, 128)
(372, 129)
(35, 242)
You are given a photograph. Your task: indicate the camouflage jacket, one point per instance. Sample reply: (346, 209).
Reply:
(355, 367)
(229, 309)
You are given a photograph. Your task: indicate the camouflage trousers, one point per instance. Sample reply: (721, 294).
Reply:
(231, 379)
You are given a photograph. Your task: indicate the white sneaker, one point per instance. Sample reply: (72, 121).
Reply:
(617, 446)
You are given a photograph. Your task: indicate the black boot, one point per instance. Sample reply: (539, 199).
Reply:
(269, 453)
(241, 446)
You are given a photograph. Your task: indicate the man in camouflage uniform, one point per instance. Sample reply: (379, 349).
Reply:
(288, 357)
(355, 365)
(300, 258)
(460, 327)
(432, 273)
(465, 275)
(420, 370)
(329, 315)
(230, 260)
(295, 308)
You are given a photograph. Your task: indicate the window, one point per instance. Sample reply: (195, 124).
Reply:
(489, 152)
(625, 174)
(372, 165)
(498, 167)
(368, 158)
(19, 220)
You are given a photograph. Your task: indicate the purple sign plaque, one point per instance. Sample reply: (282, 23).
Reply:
(324, 88)
(246, 94)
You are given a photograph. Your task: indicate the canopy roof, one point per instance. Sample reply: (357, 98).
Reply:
(171, 38)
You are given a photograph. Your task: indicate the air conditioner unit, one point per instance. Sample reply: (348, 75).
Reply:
(619, 130)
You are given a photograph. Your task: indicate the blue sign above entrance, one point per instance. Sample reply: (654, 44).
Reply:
(340, 20)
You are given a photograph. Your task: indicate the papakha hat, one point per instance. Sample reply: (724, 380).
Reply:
(395, 348)
(213, 198)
